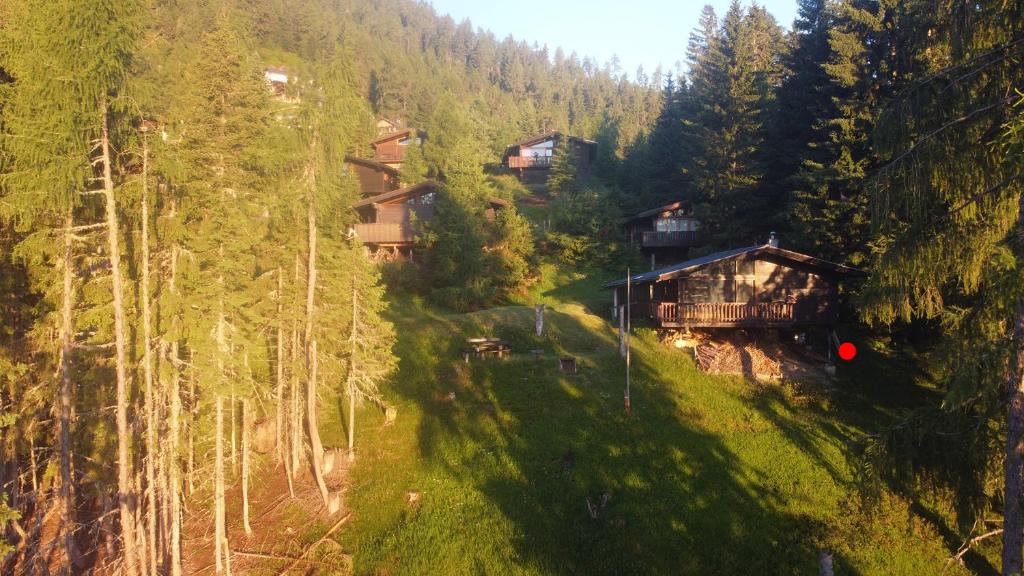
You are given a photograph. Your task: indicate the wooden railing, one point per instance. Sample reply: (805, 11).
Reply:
(529, 161)
(659, 239)
(389, 157)
(385, 233)
(722, 312)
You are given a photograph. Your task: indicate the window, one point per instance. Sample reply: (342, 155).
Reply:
(744, 291)
(745, 267)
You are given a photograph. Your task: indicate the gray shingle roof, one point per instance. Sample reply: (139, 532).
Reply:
(675, 270)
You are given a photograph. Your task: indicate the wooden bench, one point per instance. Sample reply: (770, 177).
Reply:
(483, 347)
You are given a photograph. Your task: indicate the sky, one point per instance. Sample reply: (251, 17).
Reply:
(639, 32)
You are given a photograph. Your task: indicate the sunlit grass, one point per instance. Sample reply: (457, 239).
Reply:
(708, 475)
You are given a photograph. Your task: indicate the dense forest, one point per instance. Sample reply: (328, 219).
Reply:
(178, 277)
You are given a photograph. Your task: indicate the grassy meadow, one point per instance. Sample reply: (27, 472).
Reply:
(708, 475)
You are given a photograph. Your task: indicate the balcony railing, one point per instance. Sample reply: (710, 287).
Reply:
(385, 233)
(669, 239)
(529, 161)
(379, 157)
(722, 313)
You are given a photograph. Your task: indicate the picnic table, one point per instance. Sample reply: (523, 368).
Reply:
(483, 347)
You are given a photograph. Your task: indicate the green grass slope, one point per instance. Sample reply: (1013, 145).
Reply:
(709, 475)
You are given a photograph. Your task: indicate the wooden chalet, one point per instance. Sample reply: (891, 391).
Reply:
(664, 234)
(374, 177)
(388, 221)
(390, 148)
(531, 158)
(387, 126)
(754, 287)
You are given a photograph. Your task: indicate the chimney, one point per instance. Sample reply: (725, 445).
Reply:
(773, 240)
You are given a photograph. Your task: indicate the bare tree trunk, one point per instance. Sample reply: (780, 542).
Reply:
(246, 418)
(147, 369)
(296, 418)
(218, 488)
(67, 344)
(193, 409)
(314, 433)
(1013, 538)
(279, 408)
(311, 355)
(174, 467)
(234, 445)
(351, 378)
(125, 496)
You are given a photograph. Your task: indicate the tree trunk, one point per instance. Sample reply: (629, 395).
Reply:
(125, 496)
(218, 488)
(279, 436)
(67, 344)
(147, 371)
(246, 417)
(314, 433)
(1013, 546)
(193, 409)
(174, 467)
(311, 354)
(296, 443)
(351, 378)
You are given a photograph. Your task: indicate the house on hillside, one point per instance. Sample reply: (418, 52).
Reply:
(277, 80)
(754, 287)
(390, 148)
(374, 177)
(387, 126)
(388, 221)
(664, 234)
(531, 158)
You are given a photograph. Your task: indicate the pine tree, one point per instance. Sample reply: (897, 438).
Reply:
(947, 207)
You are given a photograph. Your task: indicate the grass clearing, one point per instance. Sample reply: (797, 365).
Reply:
(710, 474)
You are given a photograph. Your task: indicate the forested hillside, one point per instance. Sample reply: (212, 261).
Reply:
(183, 301)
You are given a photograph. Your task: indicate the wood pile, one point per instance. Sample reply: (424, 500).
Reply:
(729, 358)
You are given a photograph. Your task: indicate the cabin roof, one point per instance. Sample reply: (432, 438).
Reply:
(380, 167)
(548, 136)
(400, 194)
(394, 135)
(655, 211)
(675, 270)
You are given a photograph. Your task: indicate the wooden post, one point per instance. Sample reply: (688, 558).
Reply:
(538, 311)
(622, 332)
(615, 303)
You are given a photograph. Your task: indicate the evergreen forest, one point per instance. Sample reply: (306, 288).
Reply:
(204, 369)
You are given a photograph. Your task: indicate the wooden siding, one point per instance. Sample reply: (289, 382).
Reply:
(740, 292)
(402, 213)
(385, 233)
(373, 182)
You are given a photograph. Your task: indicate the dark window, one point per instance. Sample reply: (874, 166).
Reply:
(745, 267)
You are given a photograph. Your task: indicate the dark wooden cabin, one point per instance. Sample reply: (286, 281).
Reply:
(374, 177)
(756, 287)
(388, 221)
(664, 234)
(531, 158)
(390, 148)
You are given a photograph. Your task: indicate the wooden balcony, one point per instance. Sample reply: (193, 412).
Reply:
(385, 233)
(721, 314)
(385, 158)
(529, 161)
(669, 239)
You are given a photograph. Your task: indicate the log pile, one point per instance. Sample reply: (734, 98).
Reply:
(729, 358)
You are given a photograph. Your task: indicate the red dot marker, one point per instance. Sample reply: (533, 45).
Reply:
(847, 351)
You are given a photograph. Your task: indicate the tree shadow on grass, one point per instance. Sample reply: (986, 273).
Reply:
(544, 448)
